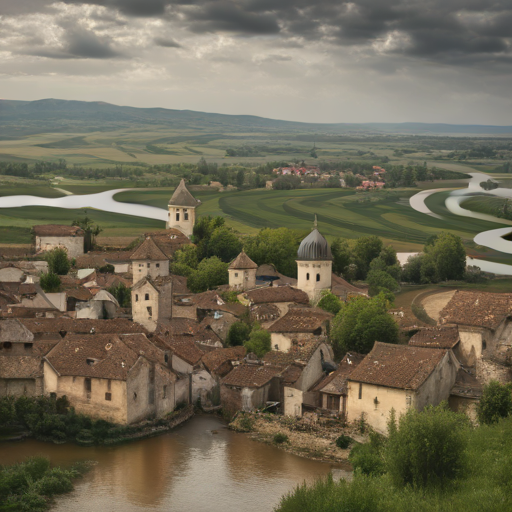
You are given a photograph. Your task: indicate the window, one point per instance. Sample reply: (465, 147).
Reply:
(150, 311)
(28, 346)
(236, 274)
(166, 358)
(146, 297)
(307, 276)
(158, 265)
(134, 395)
(7, 345)
(53, 396)
(87, 384)
(136, 297)
(108, 396)
(177, 217)
(164, 393)
(149, 265)
(317, 278)
(360, 390)
(185, 216)
(141, 265)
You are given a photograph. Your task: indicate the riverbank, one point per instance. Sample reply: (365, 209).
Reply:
(305, 437)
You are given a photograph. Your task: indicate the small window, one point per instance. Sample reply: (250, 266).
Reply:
(7, 345)
(146, 297)
(136, 297)
(360, 390)
(307, 276)
(158, 265)
(87, 383)
(134, 395)
(236, 274)
(108, 396)
(177, 217)
(150, 311)
(166, 358)
(141, 265)
(317, 278)
(185, 216)
(149, 265)
(140, 270)
(28, 346)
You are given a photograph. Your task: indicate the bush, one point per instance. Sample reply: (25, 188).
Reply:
(58, 262)
(280, 438)
(495, 404)
(259, 341)
(107, 269)
(367, 458)
(246, 423)
(238, 334)
(50, 283)
(343, 442)
(428, 448)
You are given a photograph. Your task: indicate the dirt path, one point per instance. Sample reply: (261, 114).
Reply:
(433, 304)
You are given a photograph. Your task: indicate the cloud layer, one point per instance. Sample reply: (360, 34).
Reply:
(372, 56)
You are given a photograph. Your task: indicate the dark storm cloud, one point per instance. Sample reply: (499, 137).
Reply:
(166, 42)
(439, 30)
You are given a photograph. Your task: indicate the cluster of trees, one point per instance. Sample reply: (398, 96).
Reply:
(252, 337)
(15, 169)
(431, 460)
(58, 265)
(443, 258)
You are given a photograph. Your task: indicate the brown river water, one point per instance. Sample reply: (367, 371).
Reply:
(201, 466)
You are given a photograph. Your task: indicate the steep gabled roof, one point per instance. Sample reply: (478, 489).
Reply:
(301, 320)
(216, 358)
(148, 250)
(397, 366)
(182, 197)
(242, 261)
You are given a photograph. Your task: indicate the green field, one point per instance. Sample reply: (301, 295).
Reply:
(15, 223)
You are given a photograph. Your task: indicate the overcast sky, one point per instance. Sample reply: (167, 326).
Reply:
(304, 60)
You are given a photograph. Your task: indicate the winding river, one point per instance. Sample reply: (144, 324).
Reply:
(201, 466)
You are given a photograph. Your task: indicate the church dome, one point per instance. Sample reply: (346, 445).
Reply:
(314, 247)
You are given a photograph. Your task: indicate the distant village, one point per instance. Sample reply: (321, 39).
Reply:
(125, 365)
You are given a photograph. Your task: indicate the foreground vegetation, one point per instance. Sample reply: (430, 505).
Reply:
(433, 461)
(30, 485)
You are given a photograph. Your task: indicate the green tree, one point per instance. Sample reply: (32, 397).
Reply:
(238, 334)
(203, 230)
(91, 231)
(428, 270)
(185, 261)
(427, 449)
(412, 269)
(449, 256)
(122, 294)
(58, 262)
(329, 302)
(360, 323)
(50, 282)
(381, 281)
(224, 244)
(341, 256)
(277, 247)
(210, 273)
(496, 402)
(259, 341)
(240, 178)
(366, 249)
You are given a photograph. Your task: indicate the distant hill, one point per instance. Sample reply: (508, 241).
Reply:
(21, 118)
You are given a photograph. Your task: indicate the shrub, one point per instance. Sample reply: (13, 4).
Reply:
(427, 448)
(280, 438)
(343, 442)
(50, 282)
(107, 269)
(238, 334)
(368, 458)
(56, 482)
(259, 341)
(58, 262)
(246, 423)
(495, 404)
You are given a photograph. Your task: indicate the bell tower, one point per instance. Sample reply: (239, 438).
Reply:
(182, 210)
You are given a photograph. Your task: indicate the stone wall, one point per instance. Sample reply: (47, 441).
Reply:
(73, 244)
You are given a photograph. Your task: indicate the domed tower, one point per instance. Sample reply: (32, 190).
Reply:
(314, 264)
(182, 210)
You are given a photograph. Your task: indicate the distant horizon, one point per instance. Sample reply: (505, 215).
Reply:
(428, 123)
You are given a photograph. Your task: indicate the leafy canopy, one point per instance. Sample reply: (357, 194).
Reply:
(259, 341)
(58, 262)
(496, 403)
(210, 273)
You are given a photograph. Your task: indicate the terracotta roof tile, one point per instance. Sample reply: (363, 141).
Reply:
(112, 359)
(214, 359)
(397, 366)
(81, 325)
(242, 261)
(478, 309)
(185, 348)
(301, 320)
(336, 382)
(176, 326)
(299, 353)
(148, 250)
(279, 294)
(20, 367)
(141, 345)
(57, 230)
(445, 337)
(169, 240)
(182, 197)
(251, 376)
(212, 301)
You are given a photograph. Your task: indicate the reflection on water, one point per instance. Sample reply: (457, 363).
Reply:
(201, 466)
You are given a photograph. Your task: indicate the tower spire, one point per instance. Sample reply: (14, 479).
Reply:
(315, 224)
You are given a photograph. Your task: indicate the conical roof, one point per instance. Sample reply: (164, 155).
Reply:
(148, 250)
(314, 247)
(242, 261)
(182, 197)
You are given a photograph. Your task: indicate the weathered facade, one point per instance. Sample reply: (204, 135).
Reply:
(182, 210)
(152, 301)
(399, 377)
(148, 260)
(51, 236)
(242, 273)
